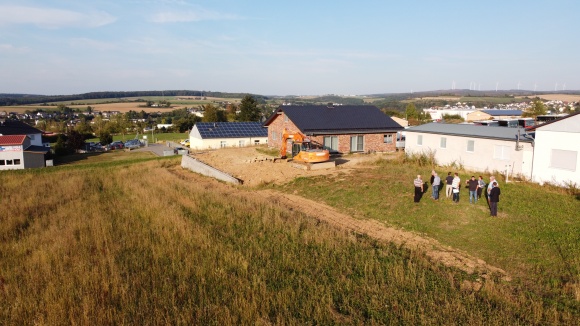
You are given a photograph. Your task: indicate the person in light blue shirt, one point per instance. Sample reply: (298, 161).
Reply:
(436, 185)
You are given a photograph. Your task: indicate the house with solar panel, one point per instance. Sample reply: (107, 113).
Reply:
(493, 114)
(21, 146)
(474, 147)
(212, 135)
(338, 128)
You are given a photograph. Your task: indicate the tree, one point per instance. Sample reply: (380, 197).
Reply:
(75, 140)
(105, 138)
(411, 111)
(536, 108)
(213, 114)
(249, 110)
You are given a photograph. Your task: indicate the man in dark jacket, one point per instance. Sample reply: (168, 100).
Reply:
(494, 199)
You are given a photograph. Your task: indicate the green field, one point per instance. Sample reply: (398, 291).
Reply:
(138, 240)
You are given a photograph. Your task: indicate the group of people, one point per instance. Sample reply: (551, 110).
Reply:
(453, 187)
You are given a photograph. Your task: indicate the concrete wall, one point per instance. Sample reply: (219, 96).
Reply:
(190, 163)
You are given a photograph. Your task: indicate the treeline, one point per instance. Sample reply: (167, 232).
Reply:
(24, 99)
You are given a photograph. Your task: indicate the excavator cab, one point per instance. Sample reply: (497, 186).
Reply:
(302, 149)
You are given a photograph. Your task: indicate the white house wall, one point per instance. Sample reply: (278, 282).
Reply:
(12, 153)
(213, 143)
(482, 157)
(548, 140)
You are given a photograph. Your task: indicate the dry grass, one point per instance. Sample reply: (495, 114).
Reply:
(148, 244)
(559, 97)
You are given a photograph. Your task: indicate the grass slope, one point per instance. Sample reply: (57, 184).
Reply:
(145, 242)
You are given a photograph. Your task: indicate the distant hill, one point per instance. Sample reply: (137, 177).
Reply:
(24, 99)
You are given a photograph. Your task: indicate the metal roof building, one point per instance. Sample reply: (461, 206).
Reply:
(206, 135)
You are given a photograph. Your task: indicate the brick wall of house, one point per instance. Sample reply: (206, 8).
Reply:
(371, 143)
(276, 127)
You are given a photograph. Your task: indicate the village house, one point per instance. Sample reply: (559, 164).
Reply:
(556, 148)
(476, 148)
(21, 146)
(212, 135)
(338, 128)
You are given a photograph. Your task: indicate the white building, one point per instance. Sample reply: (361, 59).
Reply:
(211, 135)
(557, 144)
(474, 147)
(20, 146)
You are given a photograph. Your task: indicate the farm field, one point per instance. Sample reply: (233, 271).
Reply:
(103, 105)
(146, 242)
(560, 97)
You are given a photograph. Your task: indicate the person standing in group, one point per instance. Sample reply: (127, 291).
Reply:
(456, 185)
(431, 180)
(480, 186)
(472, 184)
(494, 199)
(418, 188)
(435, 185)
(489, 187)
(448, 187)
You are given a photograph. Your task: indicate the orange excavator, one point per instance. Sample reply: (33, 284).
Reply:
(302, 149)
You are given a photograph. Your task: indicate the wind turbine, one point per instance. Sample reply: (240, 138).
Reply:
(496, 85)
(518, 85)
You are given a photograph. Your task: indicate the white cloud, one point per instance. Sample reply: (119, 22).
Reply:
(191, 16)
(52, 18)
(87, 43)
(9, 48)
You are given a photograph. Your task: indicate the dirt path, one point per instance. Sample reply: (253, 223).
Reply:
(432, 248)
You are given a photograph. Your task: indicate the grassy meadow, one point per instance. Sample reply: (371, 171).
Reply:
(536, 238)
(144, 242)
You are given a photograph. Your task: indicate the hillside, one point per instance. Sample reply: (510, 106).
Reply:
(145, 242)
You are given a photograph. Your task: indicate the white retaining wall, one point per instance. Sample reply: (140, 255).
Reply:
(190, 163)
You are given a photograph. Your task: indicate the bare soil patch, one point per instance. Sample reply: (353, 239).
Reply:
(254, 168)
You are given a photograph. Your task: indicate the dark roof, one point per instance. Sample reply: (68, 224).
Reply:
(494, 113)
(552, 121)
(12, 140)
(322, 119)
(467, 130)
(14, 127)
(231, 129)
(37, 149)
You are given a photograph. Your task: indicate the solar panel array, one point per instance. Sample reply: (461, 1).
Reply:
(231, 129)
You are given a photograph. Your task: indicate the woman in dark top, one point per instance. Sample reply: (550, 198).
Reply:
(494, 199)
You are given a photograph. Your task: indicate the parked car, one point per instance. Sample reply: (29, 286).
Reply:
(132, 144)
(117, 145)
(185, 142)
(177, 150)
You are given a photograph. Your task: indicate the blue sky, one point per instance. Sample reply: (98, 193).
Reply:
(280, 47)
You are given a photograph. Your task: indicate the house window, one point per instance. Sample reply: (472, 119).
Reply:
(357, 143)
(443, 143)
(470, 145)
(419, 140)
(274, 135)
(223, 143)
(2, 162)
(564, 160)
(8, 162)
(501, 152)
(331, 143)
(16, 161)
(388, 139)
(242, 143)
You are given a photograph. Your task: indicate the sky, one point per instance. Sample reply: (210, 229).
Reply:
(283, 47)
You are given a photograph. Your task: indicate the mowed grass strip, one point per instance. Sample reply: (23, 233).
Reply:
(536, 237)
(149, 243)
